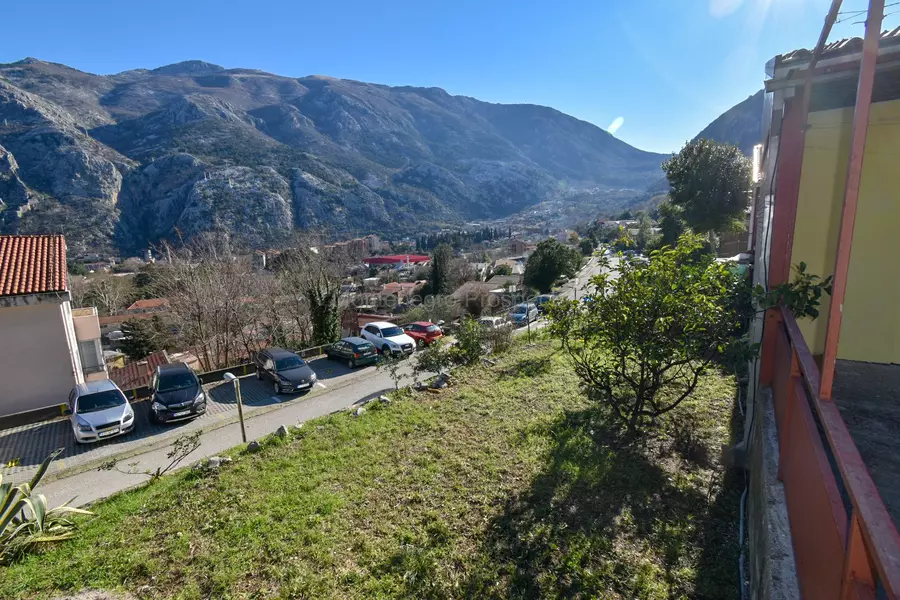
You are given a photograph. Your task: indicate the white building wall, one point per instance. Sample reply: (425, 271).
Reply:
(37, 367)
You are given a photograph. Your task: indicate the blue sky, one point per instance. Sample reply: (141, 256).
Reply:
(661, 69)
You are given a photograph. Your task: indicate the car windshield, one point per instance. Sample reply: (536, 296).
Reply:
(519, 310)
(99, 401)
(432, 328)
(288, 362)
(176, 381)
(391, 331)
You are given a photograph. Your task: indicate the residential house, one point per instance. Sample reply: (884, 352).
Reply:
(510, 283)
(137, 374)
(46, 346)
(516, 246)
(148, 305)
(824, 424)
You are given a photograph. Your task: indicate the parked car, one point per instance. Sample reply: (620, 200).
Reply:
(522, 314)
(541, 301)
(423, 332)
(388, 338)
(176, 394)
(286, 371)
(493, 322)
(98, 410)
(355, 350)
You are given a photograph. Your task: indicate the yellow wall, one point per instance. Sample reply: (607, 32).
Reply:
(871, 321)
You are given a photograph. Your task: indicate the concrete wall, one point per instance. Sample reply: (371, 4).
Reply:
(87, 326)
(771, 571)
(36, 365)
(870, 329)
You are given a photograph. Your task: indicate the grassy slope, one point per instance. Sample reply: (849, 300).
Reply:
(492, 490)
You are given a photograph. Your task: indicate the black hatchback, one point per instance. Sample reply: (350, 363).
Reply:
(176, 394)
(287, 372)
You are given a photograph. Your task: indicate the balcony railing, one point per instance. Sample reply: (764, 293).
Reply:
(845, 544)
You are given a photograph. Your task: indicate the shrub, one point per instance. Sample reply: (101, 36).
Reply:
(25, 520)
(640, 342)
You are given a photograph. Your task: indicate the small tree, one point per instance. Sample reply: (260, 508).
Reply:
(141, 338)
(439, 282)
(470, 342)
(710, 181)
(502, 270)
(550, 261)
(641, 342)
(586, 245)
(671, 223)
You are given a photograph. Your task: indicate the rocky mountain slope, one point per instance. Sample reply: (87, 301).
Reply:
(145, 155)
(740, 125)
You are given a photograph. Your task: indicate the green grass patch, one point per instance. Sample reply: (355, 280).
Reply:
(507, 485)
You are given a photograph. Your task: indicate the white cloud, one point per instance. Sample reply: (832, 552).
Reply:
(722, 8)
(614, 126)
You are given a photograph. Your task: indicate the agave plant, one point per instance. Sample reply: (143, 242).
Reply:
(25, 520)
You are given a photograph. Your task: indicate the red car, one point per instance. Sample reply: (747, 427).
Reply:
(424, 332)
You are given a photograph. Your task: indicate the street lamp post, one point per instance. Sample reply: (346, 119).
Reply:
(240, 405)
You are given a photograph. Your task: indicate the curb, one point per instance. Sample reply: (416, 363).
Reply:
(218, 423)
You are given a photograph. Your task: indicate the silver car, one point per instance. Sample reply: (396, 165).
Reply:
(99, 410)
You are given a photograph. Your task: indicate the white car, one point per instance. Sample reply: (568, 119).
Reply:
(388, 338)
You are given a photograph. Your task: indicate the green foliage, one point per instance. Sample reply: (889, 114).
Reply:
(802, 296)
(587, 245)
(25, 521)
(550, 261)
(710, 182)
(436, 358)
(75, 268)
(671, 223)
(143, 337)
(470, 342)
(439, 282)
(502, 270)
(641, 342)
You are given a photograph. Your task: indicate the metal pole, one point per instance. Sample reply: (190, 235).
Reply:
(861, 113)
(240, 405)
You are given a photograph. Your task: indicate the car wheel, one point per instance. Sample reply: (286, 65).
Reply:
(351, 363)
(277, 389)
(385, 350)
(420, 343)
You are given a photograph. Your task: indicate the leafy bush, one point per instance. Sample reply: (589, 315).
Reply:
(470, 342)
(640, 342)
(25, 520)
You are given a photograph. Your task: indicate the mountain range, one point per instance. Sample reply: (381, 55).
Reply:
(120, 162)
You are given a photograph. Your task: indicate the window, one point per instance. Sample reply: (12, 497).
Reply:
(91, 359)
(391, 331)
(288, 362)
(100, 401)
(176, 381)
(373, 330)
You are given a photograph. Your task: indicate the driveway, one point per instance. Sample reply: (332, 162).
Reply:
(22, 449)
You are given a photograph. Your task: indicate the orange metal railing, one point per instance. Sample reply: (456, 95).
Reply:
(845, 544)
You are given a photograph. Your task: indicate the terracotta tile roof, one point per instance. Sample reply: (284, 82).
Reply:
(149, 304)
(137, 374)
(32, 264)
(844, 47)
